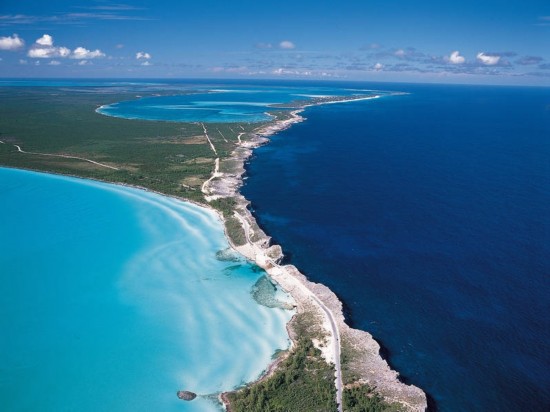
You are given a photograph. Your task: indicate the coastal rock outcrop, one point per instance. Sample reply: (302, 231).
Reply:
(186, 395)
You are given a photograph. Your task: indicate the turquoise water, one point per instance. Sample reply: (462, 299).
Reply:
(114, 298)
(218, 105)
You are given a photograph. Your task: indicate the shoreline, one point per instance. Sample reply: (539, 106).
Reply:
(306, 294)
(373, 369)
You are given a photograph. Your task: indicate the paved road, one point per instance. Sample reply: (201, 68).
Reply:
(334, 328)
(336, 350)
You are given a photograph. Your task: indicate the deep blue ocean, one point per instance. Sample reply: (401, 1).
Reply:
(429, 216)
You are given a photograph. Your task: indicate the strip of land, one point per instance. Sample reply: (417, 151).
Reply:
(367, 366)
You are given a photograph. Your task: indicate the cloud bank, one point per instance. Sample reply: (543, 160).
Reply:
(44, 48)
(82, 53)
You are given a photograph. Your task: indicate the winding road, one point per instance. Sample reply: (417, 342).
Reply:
(333, 325)
(336, 350)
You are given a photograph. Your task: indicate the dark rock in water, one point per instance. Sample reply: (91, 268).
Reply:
(228, 255)
(264, 293)
(186, 395)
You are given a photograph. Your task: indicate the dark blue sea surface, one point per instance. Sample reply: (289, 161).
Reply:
(428, 215)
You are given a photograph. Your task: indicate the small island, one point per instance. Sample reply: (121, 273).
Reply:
(186, 395)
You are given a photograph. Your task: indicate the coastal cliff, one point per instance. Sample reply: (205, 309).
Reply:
(362, 365)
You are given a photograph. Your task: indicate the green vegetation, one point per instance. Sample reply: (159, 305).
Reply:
(362, 398)
(356, 396)
(226, 205)
(348, 356)
(168, 157)
(304, 382)
(235, 231)
(307, 324)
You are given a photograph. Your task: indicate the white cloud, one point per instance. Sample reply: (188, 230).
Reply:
(286, 44)
(456, 58)
(120, 46)
(54, 63)
(489, 60)
(11, 43)
(146, 63)
(22, 61)
(378, 67)
(83, 62)
(290, 72)
(45, 40)
(82, 53)
(43, 48)
(400, 53)
(143, 55)
(48, 52)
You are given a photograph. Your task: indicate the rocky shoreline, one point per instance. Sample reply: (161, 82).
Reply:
(368, 365)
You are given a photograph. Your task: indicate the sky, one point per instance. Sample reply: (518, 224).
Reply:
(466, 41)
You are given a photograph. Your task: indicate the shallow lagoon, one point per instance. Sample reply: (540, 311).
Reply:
(113, 299)
(218, 105)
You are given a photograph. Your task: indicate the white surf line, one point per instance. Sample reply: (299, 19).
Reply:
(355, 99)
(2, 142)
(66, 157)
(242, 128)
(336, 346)
(208, 138)
(223, 137)
(239, 137)
(215, 173)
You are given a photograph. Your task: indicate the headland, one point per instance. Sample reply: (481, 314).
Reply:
(363, 365)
